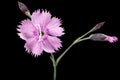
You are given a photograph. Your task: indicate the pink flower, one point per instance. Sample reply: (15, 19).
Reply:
(103, 37)
(111, 39)
(41, 33)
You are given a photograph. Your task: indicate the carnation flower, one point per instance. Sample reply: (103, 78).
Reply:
(41, 33)
(103, 37)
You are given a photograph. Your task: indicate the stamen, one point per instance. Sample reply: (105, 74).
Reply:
(40, 32)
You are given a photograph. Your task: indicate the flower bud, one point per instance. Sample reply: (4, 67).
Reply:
(103, 37)
(98, 26)
(24, 9)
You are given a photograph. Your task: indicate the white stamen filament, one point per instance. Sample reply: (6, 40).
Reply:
(39, 30)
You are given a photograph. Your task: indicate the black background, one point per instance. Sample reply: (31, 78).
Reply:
(86, 60)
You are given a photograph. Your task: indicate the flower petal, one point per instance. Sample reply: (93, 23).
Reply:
(35, 17)
(22, 36)
(26, 28)
(32, 45)
(41, 18)
(54, 28)
(37, 49)
(111, 39)
(29, 44)
(57, 31)
(45, 17)
(55, 42)
(47, 46)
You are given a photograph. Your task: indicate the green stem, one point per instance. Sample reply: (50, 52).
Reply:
(91, 30)
(55, 62)
(76, 41)
(59, 58)
(55, 72)
(79, 40)
(54, 66)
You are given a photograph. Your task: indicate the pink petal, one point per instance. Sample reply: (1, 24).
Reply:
(29, 44)
(111, 39)
(54, 28)
(55, 42)
(35, 17)
(41, 18)
(37, 49)
(56, 31)
(47, 46)
(55, 22)
(115, 38)
(32, 45)
(26, 28)
(22, 36)
(45, 17)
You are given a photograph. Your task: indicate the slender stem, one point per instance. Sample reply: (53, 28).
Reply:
(79, 40)
(55, 72)
(55, 62)
(76, 41)
(86, 34)
(59, 58)
(54, 66)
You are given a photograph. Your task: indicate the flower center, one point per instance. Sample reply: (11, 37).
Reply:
(41, 33)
